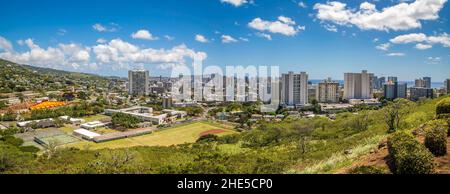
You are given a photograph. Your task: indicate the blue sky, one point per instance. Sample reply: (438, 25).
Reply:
(323, 38)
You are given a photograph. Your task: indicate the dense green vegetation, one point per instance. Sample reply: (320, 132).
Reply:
(292, 146)
(124, 121)
(408, 155)
(19, 78)
(436, 138)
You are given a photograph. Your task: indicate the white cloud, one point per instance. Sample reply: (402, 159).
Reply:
(102, 28)
(170, 38)
(228, 39)
(144, 35)
(123, 54)
(331, 28)
(101, 40)
(384, 46)
(284, 25)
(396, 54)
(235, 3)
(434, 60)
(5, 44)
(264, 35)
(244, 39)
(302, 4)
(443, 39)
(115, 54)
(421, 46)
(201, 38)
(64, 55)
(402, 16)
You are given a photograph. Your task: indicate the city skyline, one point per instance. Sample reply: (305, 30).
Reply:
(324, 39)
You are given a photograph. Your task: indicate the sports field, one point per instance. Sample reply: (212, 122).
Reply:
(173, 136)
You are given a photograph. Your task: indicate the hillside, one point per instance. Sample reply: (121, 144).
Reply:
(316, 145)
(17, 78)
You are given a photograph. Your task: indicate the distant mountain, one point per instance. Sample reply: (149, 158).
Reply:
(17, 78)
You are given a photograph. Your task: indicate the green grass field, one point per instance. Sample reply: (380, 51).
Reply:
(173, 136)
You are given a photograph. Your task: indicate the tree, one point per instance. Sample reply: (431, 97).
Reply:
(125, 121)
(303, 132)
(394, 113)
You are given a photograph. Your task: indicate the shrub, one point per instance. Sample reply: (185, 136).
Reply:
(229, 139)
(30, 149)
(366, 170)
(12, 140)
(408, 155)
(208, 138)
(436, 140)
(443, 107)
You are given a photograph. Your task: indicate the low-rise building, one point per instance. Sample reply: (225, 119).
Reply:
(85, 134)
(142, 113)
(93, 125)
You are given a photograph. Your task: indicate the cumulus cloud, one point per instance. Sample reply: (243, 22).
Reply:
(396, 54)
(103, 28)
(383, 47)
(235, 3)
(402, 16)
(302, 4)
(101, 40)
(421, 46)
(144, 35)
(170, 38)
(244, 39)
(228, 39)
(201, 38)
(5, 44)
(64, 55)
(284, 25)
(424, 41)
(115, 54)
(434, 60)
(264, 35)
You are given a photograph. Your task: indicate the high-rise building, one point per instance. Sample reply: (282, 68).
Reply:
(358, 85)
(416, 93)
(138, 82)
(294, 89)
(393, 90)
(380, 82)
(447, 85)
(402, 90)
(427, 82)
(392, 79)
(327, 91)
(167, 102)
(424, 82)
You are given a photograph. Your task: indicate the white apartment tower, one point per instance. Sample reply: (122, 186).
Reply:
(358, 85)
(327, 91)
(294, 89)
(138, 82)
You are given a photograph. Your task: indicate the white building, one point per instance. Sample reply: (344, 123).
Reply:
(294, 89)
(85, 134)
(327, 91)
(138, 82)
(358, 85)
(142, 113)
(93, 125)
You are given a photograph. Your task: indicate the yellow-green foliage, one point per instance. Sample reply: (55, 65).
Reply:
(408, 155)
(443, 108)
(436, 137)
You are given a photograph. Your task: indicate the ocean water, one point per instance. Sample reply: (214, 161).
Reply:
(436, 85)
